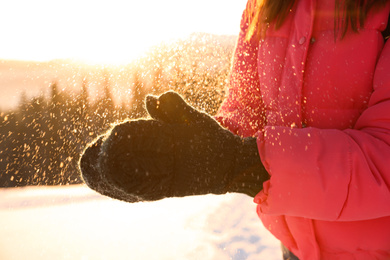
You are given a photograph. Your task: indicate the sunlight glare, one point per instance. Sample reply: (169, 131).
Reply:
(113, 32)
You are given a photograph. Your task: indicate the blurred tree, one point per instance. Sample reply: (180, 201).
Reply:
(8, 149)
(82, 102)
(41, 140)
(138, 95)
(158, 81)
(105, 105)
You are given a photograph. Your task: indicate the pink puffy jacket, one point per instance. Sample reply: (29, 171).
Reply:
(320, 109)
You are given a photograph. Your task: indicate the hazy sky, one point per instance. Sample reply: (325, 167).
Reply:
(111, 31)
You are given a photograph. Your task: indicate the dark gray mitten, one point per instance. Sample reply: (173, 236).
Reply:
(180, 152)
(209, 158)
(93, 177)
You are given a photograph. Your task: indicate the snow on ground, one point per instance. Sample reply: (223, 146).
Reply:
(74, 222)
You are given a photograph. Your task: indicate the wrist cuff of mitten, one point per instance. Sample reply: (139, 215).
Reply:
(249, 172)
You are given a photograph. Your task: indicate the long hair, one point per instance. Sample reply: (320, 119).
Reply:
(348, 14)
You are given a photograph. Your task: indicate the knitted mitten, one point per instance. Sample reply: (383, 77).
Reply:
(179, 152)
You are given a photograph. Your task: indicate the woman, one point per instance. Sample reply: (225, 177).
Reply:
(308, 113)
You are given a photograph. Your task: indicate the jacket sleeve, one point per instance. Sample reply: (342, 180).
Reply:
(242, 110)
(332, 174)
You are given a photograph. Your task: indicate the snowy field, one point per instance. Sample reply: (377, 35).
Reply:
(77, 223)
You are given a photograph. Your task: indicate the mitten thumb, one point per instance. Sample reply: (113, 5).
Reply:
(170, 107)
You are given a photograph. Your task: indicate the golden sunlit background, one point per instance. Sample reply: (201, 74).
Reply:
(69, 69)
(97, 33)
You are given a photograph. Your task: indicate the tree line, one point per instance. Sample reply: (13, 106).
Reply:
(41, 140)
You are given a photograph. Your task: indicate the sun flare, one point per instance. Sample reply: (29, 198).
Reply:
(113, 32)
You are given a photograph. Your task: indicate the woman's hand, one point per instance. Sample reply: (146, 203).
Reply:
(179, 152)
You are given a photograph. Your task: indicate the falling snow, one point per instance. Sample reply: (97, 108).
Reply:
(42, 138)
